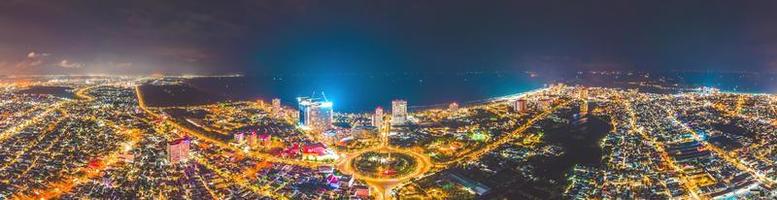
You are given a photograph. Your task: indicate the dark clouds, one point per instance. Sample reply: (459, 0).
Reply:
(186, 36)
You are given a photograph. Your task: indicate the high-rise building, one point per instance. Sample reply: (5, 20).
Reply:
(303, 104)
(398, 112)
(521, 106)
(276, 106)
(583, 95)
(315, 114)
(178, 150)
(276, 103)
(377, 118)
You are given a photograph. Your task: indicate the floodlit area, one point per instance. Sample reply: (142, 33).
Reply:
(561, 141)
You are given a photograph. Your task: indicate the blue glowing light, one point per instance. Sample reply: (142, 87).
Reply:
(327, 104)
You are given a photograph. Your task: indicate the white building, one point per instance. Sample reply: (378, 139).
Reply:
(398, 112)
(315, 114)
(377, 118)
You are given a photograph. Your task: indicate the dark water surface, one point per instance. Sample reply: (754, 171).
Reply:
(364, 92)
(580, 143)
(360, 93)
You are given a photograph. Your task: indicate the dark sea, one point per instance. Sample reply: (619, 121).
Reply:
(353, 93)
(362, 93)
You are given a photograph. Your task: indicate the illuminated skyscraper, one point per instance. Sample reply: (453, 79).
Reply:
(377, 118)
(276, 110)
(584, 97)
(303, 104)
(276, 105)
(324, 116)
(315, 114)
(178, 150)
(521, 105)
(398, 112)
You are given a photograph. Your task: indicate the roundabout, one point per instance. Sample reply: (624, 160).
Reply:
(384, 167)
(385, 164)
(377, 164)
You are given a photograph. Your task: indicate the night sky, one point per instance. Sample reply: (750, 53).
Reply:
(370, 36)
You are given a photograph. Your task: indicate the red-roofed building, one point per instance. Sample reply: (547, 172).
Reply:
(291, 151)
(316, 148)
(317, 151)
(95, 164)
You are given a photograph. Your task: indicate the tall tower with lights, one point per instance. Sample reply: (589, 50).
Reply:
(377, 118)
(276, 107)
(398, 112)
(583, 95)
(315, 113)
(521, 106)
